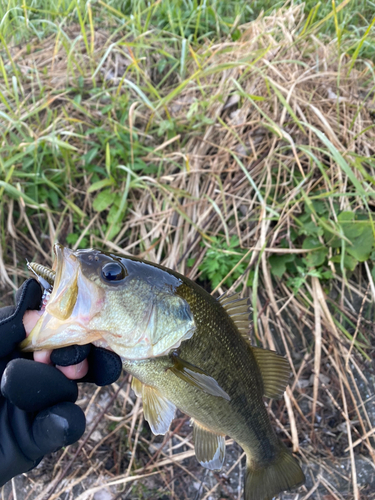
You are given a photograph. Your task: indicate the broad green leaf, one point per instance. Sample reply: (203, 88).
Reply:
(310, 243)
(278, 263)
(236, 35)
(114, 230)
(349, 261)
(346, 216)
(103, 200)
(72, 238)
(311, 229)
(360, 234)
(327, 275)
(95, 186)
(315, 273)
(320, 207)
(316, 258)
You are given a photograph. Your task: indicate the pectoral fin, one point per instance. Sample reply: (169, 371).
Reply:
(158, 411)
(196, 377)
(275, 371)
(137, 387)
(209, 447)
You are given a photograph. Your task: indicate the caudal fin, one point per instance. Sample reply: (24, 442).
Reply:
(264, 483)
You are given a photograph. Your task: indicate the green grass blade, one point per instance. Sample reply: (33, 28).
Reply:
(359, 46)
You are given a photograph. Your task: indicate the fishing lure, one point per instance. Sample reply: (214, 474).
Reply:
(46, 278)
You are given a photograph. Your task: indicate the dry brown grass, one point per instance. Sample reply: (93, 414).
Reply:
(248, 173)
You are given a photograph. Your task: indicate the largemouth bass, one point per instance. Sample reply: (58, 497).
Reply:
(184, 348)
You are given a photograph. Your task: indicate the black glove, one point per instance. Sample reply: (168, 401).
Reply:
(37, 410)
(104, 366)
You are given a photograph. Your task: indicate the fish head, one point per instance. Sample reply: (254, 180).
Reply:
(124, 304)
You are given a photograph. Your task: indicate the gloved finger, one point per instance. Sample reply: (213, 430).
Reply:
(6, 311)
(35, 386)
(30, 293)
(12, 330)
(72, 360)
(104, 366)
(71, 355)
(58, 426)
(13, 461)
(73, 371)
(52, 428)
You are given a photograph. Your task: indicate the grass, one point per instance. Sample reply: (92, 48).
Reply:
(235, 147)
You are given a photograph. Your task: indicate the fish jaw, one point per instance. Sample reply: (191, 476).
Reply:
(73, 303)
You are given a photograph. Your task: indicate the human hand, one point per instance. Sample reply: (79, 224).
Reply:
(37, 410)
(84, 363)
(76, 368)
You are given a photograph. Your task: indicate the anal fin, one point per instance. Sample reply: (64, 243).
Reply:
(157, 410)
(209, 447)
(275, 371)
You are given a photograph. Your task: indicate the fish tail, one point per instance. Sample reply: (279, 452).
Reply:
(263, 483)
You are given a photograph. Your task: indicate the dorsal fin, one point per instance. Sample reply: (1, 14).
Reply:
(224, 298)
(238, 309)
(275, 371)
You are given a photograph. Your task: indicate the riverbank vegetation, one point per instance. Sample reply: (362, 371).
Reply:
(234, 143)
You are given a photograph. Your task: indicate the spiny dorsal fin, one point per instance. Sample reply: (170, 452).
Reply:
(275, 371)
(209, 447)
(157, 410)
(238, 309)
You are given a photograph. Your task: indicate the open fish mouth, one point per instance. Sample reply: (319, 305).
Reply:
(65, 312)
(48, 277)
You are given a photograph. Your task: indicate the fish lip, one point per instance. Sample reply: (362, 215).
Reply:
(58, 250)
(62, 256)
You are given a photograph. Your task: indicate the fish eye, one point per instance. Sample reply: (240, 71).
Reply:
(113, 271)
